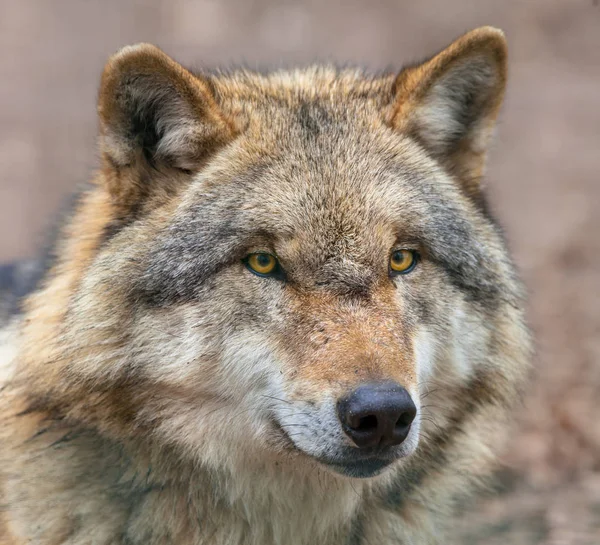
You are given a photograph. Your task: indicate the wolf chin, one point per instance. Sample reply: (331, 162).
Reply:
(280, 313)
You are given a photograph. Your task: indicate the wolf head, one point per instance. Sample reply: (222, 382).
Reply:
(285, 266)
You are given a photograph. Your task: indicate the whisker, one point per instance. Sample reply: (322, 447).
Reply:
(294, 413)
(432, 407)
(355, 491)
(276, 399)
(434, 423)
(295, 425)
(428, 392)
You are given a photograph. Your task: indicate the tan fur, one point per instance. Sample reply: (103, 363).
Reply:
(155, 391)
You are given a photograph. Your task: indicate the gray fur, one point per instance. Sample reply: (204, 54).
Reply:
(156, 391)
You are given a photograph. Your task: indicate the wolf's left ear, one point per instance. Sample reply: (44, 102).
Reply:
(152, 110)
(450, 102)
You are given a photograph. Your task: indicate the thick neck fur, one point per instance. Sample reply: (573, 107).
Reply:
(150, 318)
(137, 493)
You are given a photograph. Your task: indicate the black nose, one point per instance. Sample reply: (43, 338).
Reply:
(378, 414)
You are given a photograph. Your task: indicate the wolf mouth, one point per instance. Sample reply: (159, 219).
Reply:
(350, 462)
(361, 468)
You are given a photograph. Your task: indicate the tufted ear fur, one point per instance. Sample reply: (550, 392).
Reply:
(450, 102)
(155, 113)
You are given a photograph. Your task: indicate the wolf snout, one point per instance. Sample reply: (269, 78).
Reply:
(377, 415)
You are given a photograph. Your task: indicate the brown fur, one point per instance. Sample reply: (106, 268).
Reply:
(155, 391)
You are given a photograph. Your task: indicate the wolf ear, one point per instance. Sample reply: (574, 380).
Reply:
(153, 110)
(450, 102)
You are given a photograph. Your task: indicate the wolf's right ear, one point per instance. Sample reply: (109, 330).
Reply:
(154, 111)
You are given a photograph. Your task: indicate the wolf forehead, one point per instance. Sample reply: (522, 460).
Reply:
(346, 164)
(344, 197)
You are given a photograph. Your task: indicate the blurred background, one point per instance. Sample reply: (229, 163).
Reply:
(543, 179)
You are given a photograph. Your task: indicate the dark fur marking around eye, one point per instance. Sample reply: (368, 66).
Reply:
(167, 282)
(189, 252)
(208, 236)
(456, 249)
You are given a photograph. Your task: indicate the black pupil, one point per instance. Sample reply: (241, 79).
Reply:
(399, 257)
(263, 260)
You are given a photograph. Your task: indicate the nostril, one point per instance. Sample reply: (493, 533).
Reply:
(405, 420)
(367, 423)
(377, 415)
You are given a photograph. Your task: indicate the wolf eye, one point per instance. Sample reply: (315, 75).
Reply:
(403, 261)
(262, 264)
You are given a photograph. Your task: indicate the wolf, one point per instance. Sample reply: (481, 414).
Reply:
(280, 313)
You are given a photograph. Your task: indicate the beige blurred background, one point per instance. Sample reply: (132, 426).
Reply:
(543, 178)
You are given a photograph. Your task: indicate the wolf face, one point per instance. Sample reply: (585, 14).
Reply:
(318, 171)
(295, 268)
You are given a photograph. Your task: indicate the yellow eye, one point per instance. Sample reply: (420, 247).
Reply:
(403, 261)
(262, 264)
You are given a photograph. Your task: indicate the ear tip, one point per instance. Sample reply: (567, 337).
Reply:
(141, 57)
(487, 40)
(488, 35)
(133, 50)
(489, 30)
(132, 54)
